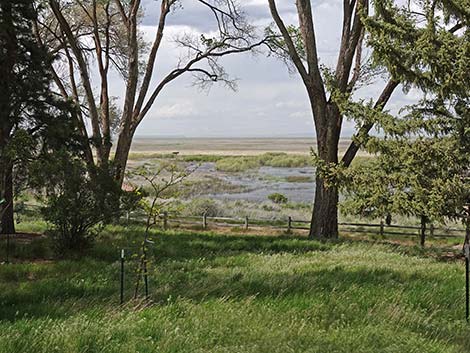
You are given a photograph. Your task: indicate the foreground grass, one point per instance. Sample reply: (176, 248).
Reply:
(213, 293)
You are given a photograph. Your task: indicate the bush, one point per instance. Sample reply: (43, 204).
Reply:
(278, 198)
(78, 206)
(198, 207)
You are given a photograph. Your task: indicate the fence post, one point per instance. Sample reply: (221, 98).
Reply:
(122, 277)
(146, 278)
(289, 225)
(381, 228)
(204, 220)
(423, 230)
(431, 230)
(246, 222)
(466, 251)
(165, 220)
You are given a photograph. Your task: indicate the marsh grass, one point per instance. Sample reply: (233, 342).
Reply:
(239, 293)
(280, 160)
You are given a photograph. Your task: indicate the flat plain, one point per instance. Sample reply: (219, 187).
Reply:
(226, 146)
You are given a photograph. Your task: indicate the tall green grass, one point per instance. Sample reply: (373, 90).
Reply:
(214, 293)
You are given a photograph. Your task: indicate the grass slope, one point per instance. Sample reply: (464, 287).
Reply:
(214, 293)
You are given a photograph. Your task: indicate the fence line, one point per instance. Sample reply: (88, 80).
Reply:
(291, 224)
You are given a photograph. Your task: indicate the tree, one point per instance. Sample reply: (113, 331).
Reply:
(32, 121)
(422, 177)
(392, 32)
(299, 46)
(106, 35)
(423, 158)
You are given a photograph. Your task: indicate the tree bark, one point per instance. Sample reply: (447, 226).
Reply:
(324, 222)
(6, 192)
(9, 41)
(122, 152)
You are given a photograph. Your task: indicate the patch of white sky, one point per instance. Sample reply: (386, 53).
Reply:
(269, 101)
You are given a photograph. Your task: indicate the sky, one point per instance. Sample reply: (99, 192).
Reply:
(269, 101)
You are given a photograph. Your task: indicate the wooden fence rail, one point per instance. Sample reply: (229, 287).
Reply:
(291, 224)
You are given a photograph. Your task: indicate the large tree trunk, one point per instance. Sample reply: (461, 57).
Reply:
(6, 73)
(324, 223)
(6, 193)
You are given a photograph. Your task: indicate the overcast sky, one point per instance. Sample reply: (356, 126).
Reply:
(269, 101)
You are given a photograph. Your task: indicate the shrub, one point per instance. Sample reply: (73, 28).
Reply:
(198, 207)
(78, 205)
(278, 198)
(299, 179)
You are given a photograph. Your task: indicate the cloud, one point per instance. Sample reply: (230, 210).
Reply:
(269, 100)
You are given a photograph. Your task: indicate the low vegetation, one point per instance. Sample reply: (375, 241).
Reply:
(299, 179)
(278, 198)
(214, 293)
(280, 160)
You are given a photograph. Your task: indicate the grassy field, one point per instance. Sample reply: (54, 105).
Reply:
(234, 293)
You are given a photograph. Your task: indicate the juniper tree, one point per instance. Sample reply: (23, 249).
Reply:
(32, 121)
(402, 37)
(423, 155)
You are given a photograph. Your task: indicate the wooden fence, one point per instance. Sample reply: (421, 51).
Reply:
(289, 225)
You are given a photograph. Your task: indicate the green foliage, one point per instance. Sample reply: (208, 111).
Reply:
(421, 47)
(79, 204)
(278, 198)
(423, 176)
(422, 159)
(34, 123)
(198, 207)
(270, 159)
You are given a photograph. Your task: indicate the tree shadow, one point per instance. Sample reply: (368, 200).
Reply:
(190, 245)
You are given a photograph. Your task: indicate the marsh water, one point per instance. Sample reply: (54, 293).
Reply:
(257, 184)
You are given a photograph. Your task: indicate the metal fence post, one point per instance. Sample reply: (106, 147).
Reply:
(381, 228)
(466, 251)
(122, 277)
(289, 225)
(204, 220)
(246, 222)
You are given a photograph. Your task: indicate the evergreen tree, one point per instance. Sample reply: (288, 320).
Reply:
(423, 156)
(32, 121)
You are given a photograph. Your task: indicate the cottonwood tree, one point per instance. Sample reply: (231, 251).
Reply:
(330, 91)
(299, 45)
(33, 122)
(106, 36)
